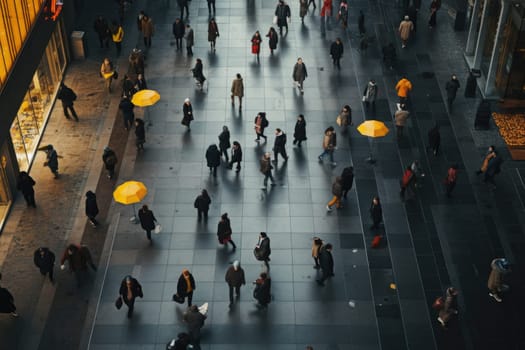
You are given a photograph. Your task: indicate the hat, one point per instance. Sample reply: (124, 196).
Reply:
(187, 100)
(236, 264)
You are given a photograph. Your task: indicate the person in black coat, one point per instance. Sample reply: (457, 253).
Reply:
(140, 83)
(102, 28)
(262, 249)
(213, 158)
(187, 112)
(224, 231)
(198, 74)
(262, 292)
(235, 279)
(236, 156)
(186, 286)
(279, 145)
(44, 259)
(129, 290)
(147, 220)
(126, 107)
(376, 212)
(91, 208)
(7, 303)
(452, 87)
(110, 161)
(195, 321)
(434, 139)
(140, 134)
(202, 204)
(25, 185)
(128, 88)
(224, 142)
(326, 261)
(273, 39)
(299, 134)
(336, 51)
(347, 177)
(178, 32)
(51, 159)
(283, 13)
(67, 96)
(183, 4)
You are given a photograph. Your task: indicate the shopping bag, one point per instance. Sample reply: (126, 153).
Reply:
(274, 19)
(203, 309)
(158, 229)
(178, 299)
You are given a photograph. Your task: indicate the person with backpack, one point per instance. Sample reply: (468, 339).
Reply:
(326, 261)
(67, 96)
(110, 161)
(450, 180)
(260, 124)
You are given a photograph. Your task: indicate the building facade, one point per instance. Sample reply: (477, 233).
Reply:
(496, 47)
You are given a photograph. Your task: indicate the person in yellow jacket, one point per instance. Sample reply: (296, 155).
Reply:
(403, 88)
(117, 34)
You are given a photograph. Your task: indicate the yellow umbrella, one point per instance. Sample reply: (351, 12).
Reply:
(130, 192)
(145, 98)
(373, 129)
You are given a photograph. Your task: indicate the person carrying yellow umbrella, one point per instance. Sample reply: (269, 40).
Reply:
(373, 129)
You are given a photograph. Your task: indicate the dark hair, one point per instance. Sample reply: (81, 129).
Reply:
(144, 207)
(264, 235)
(263, 275)
(205, 193)
(235, 143)
(278, 130)
(224, 216)
(239, 76)
(301, 116)
(376, 198)
(328, 246)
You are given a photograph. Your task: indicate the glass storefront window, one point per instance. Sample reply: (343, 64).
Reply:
(30, 120)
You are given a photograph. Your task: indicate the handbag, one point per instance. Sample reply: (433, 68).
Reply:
(177, 298)
(438, 303)
(118, 303)
(364, 99)
(158, 229)
(274, 19)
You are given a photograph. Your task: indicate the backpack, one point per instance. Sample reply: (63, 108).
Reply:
(264, 122)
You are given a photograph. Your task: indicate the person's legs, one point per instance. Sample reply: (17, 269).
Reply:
(190, 298)
(324, 153)
(73, 112)
(131, 306)
(283, 153)
(66, 111)
(51, 272)
(199, 214)
(238, 291)
(316, 261)
(266, 177)
(214, 171)
(233, 244)
(231, 293)
(148, 234)
(331, 154)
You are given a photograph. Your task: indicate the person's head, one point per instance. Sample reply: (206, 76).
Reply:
(224, 216)
(128, 280)
(199, 60)
(338, 179)
(236, 144)
(257, 33)
(309, 347)
(145, 207)
(452, 291)
(338, 40)
(454, 77)
(267, 155)
(212, 20)
(492, 148)
(372, 81)
(407, 18)
(328, 247)
(300, 117)
(239, 76)
(90, 194)
(236, 265)
(225, 128)
(194, 308)
(138, 122)
(277, 131)
(71, 249)
(107, 149)
(42, 251)
(177, 20)
(145, 17)
(204, 193)
(263, 275)
(106, 60)
(346, 108)
(140, 77)
(300, 60)
(375, 200)
(351, 168)
(49, 147)
(403, 106)
(281, 2)
(185, 272)
(187, 100)
(263, 235)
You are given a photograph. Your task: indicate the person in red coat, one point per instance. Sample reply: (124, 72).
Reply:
(256, 44)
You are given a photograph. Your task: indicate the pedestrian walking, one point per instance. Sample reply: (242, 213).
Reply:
(403, 88)
(266, 168)
(299, 134)
(224, 231)
(128, 116)
(400, 118)
(78, 258)
(182, 342)
(283, 14)
(190, 40)
(329, 145)
(147, 221)
(434, 7)
(117, 35)
(451, 87)
(434, 139)
(183, 4)
(326, 11)
(303, 9)
(213, 31)
(224, 142)
(493, 168)
(140, 83)
(198, 75)
(450, 307)
(336, 51)
(405, 28)
(128, 87)
(185, 287)
(499, 268)
(213, 158)
(263, 290)
(51, 159)
(342, 14)
(91, 208)
(361, 23)
(67, 96)
(312, 2)
(178, 30)
(102, 29)
(273, 39)
(347, 180)
(211, 6)
(195, 321)
(337, 191)
(140, 134)
(236, 156)
(450, 179)
(326, 261)
(107, 71)
(148, 29)
(299, 74)
(491, 153)
(235, 279)
(141, 15)
(344, 118)
(256, 44)
(25, 185)
(136, 61)
(7, 303)
(370, 94)
(110, 161)
(187, 112)
(202, 204)
(408, 183)
(376, 212)
(260, 123)
(44, 259)
(129, 290)
(237, 90)
(317, 243)
(279, 145)
(263, 250)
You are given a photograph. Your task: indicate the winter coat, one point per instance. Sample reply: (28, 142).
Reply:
(189, 36)
(126, 107)
(25, 184)
(262, 292)
(495, 281)
(326, 9)
(44, 263)
(282, 11)
(260, 122)
(102, 28)
(213, 156)
(256, 44)
(337, 188)
(303, 8)
(265, 165)
(140, 132)
(178, 29)
(376, 213)
(79, 260)
(224, 231)
(346, 117)
(136, 61)
(329, 141)
(195, 320)
(336, 50)
(182, 287)
(7, 302)
(316, 247)
(264, 248)
(202, 203)
(237, 87)
(405, 27)
(299, 72)
(140, 84)
(273, 39)
(147, 219)
(52, 159)
(236, 154)
(136, 289)
(147, 27)
(213, 31)
(197, 72)
(91, 205)
(347, 179)
(110, 159)
(66, 95)
(326, 261)
(280, 142)
(370, 93)
(224, 140)
(401, 117)
(452, 88)
(235, 278)
(300, 131)
(403, 87)
(187, 111)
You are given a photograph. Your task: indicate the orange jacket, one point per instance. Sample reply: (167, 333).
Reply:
(403, 87)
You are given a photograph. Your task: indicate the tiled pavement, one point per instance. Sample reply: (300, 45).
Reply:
(432, 242)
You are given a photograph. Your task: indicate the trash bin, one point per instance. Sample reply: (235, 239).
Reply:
(78, 45)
